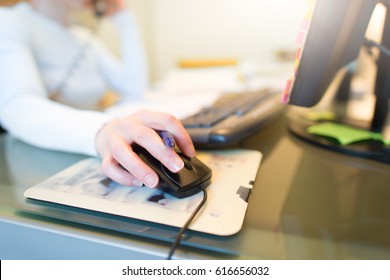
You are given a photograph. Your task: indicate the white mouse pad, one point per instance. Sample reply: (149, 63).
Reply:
(84, 186)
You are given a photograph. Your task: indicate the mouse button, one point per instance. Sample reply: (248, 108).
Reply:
(186, 160)
(187, 164)
(202, 169)
(172, 189)
(184, 179)
(204, 172)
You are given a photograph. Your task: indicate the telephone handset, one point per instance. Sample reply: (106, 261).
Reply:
(100, 7)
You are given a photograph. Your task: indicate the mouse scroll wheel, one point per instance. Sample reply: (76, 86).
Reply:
(187, 163)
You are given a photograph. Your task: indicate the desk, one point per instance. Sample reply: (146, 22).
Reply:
(307, 203)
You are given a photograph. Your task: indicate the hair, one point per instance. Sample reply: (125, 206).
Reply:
(10, 2)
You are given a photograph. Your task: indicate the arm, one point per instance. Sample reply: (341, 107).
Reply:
(25, 110)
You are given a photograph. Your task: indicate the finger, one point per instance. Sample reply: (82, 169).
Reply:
(163, 121)
(114, 171)
(152, 142)
(185, 143)
(124, 155)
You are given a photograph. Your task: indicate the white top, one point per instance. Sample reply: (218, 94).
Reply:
(35, 54)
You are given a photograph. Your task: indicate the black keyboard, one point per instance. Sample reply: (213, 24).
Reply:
(233, 117)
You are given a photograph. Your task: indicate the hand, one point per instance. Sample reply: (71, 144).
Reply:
(114, 6)
(122, 165)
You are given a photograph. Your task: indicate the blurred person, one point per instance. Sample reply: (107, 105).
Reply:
(53, 74)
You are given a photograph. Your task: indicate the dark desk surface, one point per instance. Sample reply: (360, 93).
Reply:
(307, 203)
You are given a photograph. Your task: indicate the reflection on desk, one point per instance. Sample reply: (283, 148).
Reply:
(307, 203)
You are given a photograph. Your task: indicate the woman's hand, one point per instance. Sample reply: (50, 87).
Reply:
(122, 165)
(114, 6)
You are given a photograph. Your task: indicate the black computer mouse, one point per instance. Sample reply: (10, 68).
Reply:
(193, 177)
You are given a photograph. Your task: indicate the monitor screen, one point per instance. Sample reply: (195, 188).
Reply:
(333, 40)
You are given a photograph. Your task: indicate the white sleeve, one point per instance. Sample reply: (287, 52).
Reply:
(25, 111)
(127, 75)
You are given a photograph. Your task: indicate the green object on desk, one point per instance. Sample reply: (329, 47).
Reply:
(321, 116)
(345, 134)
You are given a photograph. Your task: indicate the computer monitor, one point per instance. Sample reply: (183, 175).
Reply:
(333, 41)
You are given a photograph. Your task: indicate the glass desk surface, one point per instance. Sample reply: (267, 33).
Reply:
(307, 203)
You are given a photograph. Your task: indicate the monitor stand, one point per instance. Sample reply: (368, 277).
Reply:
(300, 119)
(370, 149)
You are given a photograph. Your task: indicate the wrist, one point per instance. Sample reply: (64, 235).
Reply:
(99, 140)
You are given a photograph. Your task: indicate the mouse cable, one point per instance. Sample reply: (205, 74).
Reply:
(190, 219)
